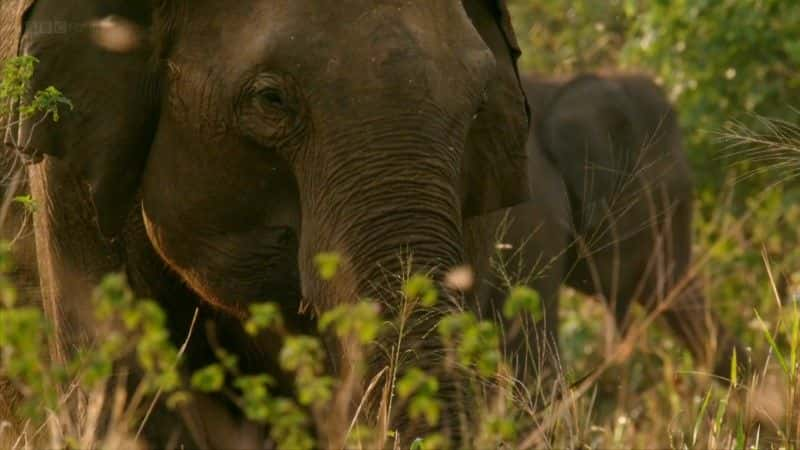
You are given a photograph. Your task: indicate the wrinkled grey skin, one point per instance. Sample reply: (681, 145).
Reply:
(617, 144)
(215, 157)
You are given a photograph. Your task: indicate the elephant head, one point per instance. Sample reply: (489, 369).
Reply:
(591, 132)
(243, 130)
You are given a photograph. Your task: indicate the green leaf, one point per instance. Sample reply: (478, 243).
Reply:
(794, 342)
(314, 390)
(15, 77)
(700, 417)
(228, 360)
(263, 316)
(327, 264)
(416, 380)
(112, 295)
(48, 103)
(741, 439)
(209, 379)
(426, 407)
(301, 353)
(290, 426)
(523, 298)
(361, 320)
(422, 288)
(477, 343)
(177, 399)
(256, 401)
(773, 345)
(452, 324)
(27, 202)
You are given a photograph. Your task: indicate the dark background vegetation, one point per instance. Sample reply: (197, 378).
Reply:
(730, 67)
(725, 64)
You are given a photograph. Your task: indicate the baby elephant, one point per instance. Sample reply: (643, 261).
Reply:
(616, 142)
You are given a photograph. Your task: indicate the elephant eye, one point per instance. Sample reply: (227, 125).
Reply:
(272, 97)
(270, 108)
(271, 92)
(482, 105)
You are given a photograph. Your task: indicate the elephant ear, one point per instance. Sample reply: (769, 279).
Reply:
(504, 20)
(591, 133)
(98, 54)
(494, 170)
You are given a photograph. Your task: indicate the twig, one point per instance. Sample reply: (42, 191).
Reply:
(160, 390)
(371, 386)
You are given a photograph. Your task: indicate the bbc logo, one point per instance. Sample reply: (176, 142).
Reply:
(53, 27)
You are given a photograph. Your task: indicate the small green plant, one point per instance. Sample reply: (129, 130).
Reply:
(303, 356)
(327, 264)
(422, 288)
(361, 320)
(128, 326)
(523, 299)
(23, 332)
(421, 390)
(48, 103)
(290, 425)
(15, 80)
(476, 342)
(145, 321)
(263, 316)
(209, 379)
(16, 97)
(27, 202)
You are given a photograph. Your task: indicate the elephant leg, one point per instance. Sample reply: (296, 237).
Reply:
(599, 274)
(531, 347)
(691, 316)
(692, 320)
(652, 280)
(515, 247)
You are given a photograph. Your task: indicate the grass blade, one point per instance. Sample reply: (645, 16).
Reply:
(700, 417)
(773, 345)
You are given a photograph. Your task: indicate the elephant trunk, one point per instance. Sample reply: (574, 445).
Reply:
(388, 207)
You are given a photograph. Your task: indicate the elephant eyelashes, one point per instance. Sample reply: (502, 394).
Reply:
(272, 97)
(269, 111)
(271, 91)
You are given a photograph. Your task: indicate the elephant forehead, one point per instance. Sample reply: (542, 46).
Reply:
(314, 33)
(416, 47)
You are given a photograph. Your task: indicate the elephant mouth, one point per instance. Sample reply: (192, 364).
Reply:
(231, 270)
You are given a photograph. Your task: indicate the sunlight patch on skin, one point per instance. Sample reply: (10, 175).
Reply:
(116, 34)
(460, 278)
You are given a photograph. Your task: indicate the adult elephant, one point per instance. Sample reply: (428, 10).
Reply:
(617, 144)
(221, 145)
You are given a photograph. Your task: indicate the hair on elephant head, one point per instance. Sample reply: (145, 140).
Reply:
(591, 131)
(245, 129)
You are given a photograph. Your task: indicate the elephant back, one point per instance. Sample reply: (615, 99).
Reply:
(11, 12)
(15, 223)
